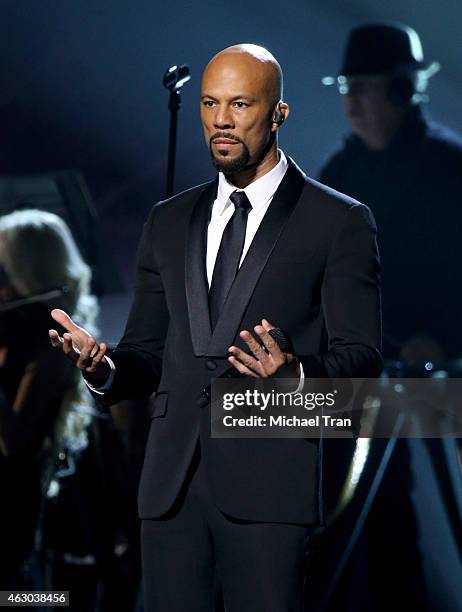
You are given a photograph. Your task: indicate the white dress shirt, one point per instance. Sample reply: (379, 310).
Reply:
(260, 194)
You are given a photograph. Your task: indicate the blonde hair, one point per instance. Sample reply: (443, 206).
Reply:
(39, 255)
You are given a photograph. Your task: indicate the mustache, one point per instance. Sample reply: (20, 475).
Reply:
(226, 135)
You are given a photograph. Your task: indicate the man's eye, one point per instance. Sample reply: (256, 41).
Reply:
(209, 103)
(240, 104)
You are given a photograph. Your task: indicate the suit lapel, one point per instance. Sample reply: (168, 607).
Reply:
(196, 272)
(277, 215)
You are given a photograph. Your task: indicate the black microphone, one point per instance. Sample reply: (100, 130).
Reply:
(176, 77)
(281, 338)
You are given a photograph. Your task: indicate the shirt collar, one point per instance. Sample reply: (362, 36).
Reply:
(258, 192)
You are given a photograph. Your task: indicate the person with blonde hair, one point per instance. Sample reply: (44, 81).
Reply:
(40, 268)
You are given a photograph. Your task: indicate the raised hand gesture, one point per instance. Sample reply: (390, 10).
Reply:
(80, 347)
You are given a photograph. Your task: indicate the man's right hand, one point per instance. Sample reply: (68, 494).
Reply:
(81, 348)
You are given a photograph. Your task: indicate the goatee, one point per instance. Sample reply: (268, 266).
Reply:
(231, 166)
(221, 161)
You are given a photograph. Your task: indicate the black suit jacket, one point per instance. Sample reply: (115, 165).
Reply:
(313, 270)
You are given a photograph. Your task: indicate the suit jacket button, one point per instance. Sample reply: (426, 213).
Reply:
(211, 364)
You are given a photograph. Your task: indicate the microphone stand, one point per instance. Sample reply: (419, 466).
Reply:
(173, 80)
(174, 106)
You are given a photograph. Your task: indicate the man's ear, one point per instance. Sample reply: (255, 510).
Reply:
(280, 114)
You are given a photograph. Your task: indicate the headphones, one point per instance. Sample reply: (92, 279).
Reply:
(278, 116)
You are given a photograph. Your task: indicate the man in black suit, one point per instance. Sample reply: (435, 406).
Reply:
(262, 244)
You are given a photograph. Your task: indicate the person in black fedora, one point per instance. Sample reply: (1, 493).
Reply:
(408, 170)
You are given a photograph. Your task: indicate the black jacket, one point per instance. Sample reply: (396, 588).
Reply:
(312, 269)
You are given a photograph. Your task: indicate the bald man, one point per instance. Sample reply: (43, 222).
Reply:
(219, 265)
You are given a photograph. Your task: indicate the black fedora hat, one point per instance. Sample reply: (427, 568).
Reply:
(380, 48)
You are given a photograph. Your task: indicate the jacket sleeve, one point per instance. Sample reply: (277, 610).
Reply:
(350, 299)
(138, 356)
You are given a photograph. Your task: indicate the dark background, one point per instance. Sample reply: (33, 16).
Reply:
(81, 88)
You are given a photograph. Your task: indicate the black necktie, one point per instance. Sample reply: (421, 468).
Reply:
(229, 254)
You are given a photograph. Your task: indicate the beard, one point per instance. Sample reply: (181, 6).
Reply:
(233, 165)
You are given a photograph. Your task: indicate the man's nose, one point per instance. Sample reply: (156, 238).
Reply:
(350, 98)
(223, 118)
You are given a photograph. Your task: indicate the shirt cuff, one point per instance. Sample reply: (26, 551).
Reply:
(108, 384)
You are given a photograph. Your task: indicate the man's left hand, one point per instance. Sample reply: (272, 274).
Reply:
(266, 358)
